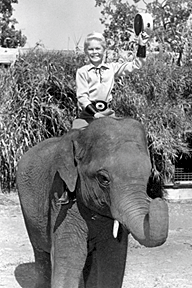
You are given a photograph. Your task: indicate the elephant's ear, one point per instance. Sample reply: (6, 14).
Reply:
(66, 162)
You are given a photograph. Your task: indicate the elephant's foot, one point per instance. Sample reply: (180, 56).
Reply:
(42, 268)
(42, 283)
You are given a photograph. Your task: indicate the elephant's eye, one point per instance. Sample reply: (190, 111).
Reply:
(103, 178)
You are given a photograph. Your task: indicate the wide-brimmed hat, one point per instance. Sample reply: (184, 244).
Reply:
(143, 22)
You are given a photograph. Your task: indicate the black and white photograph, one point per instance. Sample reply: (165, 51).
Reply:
(96, 144)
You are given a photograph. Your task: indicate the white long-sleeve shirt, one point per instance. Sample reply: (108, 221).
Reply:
(96, 83)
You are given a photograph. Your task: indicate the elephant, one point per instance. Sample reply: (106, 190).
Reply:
(105, 168)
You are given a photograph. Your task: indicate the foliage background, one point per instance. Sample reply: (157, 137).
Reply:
(38, 101)
(170, 19)
(10, 37)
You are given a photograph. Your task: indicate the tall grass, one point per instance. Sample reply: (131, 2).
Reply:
(38, 101)
(160, 96)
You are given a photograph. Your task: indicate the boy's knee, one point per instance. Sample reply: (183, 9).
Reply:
(79, 124)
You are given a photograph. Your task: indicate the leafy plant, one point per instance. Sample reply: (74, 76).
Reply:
(159, 96)
(169, 17)
(118, 17)
(38, 102)
(10, 37)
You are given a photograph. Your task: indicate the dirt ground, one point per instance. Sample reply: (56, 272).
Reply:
(168, 266)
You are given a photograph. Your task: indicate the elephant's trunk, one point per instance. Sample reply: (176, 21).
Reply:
(151, 229)
(147, 222)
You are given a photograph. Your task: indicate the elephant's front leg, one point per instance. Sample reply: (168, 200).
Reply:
(69, 249)
(111, 259)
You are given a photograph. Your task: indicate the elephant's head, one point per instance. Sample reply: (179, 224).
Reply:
(113, 166)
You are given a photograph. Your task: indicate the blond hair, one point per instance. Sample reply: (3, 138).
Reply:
(94, 36)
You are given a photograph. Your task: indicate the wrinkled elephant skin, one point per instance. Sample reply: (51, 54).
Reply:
(106, 168)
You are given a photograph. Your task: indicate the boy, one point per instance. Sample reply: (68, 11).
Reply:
(94, 81)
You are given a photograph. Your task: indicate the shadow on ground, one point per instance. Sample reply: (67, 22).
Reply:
(25, 275)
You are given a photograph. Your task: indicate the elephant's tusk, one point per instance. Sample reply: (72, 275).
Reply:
(115, 228)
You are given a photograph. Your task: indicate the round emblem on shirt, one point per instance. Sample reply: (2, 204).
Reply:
(101, 105)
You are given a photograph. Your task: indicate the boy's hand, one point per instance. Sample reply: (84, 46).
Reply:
(143, 38)
(107, 112)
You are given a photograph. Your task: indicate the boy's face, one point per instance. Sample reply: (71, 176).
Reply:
(95, 52)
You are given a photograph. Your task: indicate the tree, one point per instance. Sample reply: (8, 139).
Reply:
(170, 17)
(118, 20)
(159, 95)
(9, 36)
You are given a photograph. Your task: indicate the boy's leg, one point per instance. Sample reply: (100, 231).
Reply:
(79, 123)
